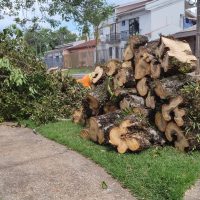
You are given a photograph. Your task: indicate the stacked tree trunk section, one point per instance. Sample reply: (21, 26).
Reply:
(137, 103)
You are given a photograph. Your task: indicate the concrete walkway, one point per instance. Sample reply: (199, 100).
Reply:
(194, 192)
(34, 168)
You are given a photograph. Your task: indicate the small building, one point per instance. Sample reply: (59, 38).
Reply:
(80, 55)
(54, 58)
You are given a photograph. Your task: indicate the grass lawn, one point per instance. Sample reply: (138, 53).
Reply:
(79, 70)
(156, 174)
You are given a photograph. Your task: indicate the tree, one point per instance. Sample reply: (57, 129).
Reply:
(86, 12)
(45, 39)
(89, 13)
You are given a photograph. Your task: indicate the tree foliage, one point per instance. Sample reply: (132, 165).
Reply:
(26, 91)
(46, 39)
(85, 12)
(191, 93)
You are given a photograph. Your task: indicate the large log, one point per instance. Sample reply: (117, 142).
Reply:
(178, 116)
(155, 69)
(160, 122)
(132, 101)
(150, 101)
(136, 41)
(99, 126)
(123, 92)
(142, 67)
(168, 108)
(113, 66)
(98, 97)
(175, 56)
(128, 54)
(78, 116)
(142, 87)
(109, 107)
(98, 75)
(174, 134)
(127, 64)
(124, 78)
(134, 134)
(169, 87)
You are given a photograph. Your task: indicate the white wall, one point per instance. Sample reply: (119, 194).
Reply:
(145, 23)
(167, 19)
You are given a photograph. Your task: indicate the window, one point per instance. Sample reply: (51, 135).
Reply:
(123, 23)
(110, 52)
(134, 26)
(117, 52)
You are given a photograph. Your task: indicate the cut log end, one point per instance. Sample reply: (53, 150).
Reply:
(97, 74)
(128, 54)
(78, 116)
(174, 133)
(150, 101)
(167, 109)
(93, 129)
(178, 116)
(160, 122)
(112, 67)
(85, 134)
(142, 67)
(142, 87)
(159, 90)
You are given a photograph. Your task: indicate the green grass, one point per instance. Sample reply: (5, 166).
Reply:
(155, 174)
(79, 70)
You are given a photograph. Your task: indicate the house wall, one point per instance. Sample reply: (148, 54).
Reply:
(144, 21)
(54, 59)
(166, 19)
(79, 58)
(161, 16)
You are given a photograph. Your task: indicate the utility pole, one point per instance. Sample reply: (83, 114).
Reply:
(198, 37)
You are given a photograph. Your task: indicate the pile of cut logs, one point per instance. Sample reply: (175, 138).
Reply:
(137, 103)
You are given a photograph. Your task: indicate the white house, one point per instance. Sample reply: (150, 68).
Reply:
(145, 17)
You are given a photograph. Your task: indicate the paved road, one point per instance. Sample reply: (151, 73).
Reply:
(34, 168)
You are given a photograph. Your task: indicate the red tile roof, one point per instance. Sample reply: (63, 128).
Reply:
(85, 45)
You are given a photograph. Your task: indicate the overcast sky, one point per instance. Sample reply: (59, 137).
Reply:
(70, 25)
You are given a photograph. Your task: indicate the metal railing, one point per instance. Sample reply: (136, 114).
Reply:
(117, 37)
(113, 38)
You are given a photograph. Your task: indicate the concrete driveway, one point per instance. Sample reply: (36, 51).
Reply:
(34, 168)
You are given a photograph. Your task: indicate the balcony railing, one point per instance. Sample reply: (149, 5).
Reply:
(117, 37)
(113, 38)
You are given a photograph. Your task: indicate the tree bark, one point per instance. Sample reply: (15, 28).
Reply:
(124, 78)
(175, 56)
(99, 126)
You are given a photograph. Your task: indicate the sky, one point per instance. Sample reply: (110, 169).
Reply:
(7, 21)
(70, 25)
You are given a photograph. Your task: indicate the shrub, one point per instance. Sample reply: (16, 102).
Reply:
(26, 90)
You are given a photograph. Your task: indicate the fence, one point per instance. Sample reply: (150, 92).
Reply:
(79, 59)
(105, 55)
(54, 60)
